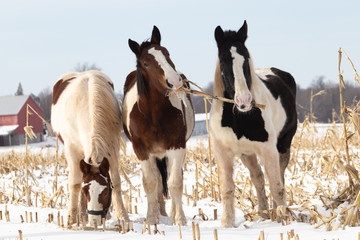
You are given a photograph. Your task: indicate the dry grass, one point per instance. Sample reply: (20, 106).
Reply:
(317, 172)
(322, 179)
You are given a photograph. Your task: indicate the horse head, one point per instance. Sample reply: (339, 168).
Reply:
(96, 189)
(235, 67)
(154, 65)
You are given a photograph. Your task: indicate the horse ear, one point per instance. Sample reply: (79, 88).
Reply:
(104, 167)
(219, 36)
(84, 167)
(134, 46)
(155, 36)
(242, 33)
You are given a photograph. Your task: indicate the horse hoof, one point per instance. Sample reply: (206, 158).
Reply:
(265, 215)
(180, 221)
(72, 219)
(124, 216)
(226, 223)
(152, 220)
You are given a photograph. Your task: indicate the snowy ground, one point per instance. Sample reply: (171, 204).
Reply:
(245, 230)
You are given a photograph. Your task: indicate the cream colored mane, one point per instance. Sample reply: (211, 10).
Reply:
(105, 119)
(218, 83)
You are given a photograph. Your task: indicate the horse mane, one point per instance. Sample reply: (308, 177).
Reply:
(104, 114)
(141, 83)
(218, 82)
(140, 80)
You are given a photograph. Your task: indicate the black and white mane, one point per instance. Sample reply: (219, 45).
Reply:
(246, 131)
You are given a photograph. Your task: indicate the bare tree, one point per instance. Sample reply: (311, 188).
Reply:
(45, 98)
(82, 67)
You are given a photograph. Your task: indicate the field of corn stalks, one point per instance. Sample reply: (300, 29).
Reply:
(322, 186)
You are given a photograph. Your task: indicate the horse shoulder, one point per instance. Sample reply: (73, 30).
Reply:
(130, 81)
(130, 100)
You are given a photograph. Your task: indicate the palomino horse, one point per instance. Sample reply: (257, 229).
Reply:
(158, 121)
(245, 130)
(86, 116)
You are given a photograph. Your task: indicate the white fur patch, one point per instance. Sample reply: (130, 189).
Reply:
(263, 72)
(130, 99)
(240, 81)
(95, 190)
(170, 74)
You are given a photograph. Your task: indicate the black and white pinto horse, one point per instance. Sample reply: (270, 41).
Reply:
(85, 114)
(247, 131)
(158, 121)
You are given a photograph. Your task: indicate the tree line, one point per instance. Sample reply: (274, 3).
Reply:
(320, 101)
(321, 98)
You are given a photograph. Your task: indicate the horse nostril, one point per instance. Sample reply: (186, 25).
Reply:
(242, 106)
(169, 84)
(180, 79)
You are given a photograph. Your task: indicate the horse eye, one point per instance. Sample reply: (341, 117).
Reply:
(146, 65)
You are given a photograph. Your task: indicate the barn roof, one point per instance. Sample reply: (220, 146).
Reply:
(11, 105)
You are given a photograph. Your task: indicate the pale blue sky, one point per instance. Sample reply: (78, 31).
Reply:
(41, 39)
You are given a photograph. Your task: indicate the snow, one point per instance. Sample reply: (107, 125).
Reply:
(245, 230)
(6, 130)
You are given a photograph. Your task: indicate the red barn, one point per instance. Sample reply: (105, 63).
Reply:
(13, 120)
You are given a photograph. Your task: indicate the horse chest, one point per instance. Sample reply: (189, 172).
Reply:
(248, 125)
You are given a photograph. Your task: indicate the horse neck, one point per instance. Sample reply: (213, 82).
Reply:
(153, 102)
(218, 82)
(257, 86)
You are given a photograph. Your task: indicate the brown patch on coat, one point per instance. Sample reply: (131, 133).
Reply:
(61, 139)
(59, 87)
(111, 84)
(155, 125)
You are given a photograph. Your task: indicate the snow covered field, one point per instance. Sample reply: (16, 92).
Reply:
(245, 230)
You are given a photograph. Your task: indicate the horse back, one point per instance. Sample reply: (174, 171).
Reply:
(282, 85)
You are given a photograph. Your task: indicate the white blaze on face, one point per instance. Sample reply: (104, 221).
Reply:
(93, 205)
(171, 76)
(242, 96)
(94, 192)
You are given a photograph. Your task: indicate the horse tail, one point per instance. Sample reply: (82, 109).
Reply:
(162, 166)
(104, 116)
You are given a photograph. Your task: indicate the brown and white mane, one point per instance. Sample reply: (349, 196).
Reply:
(158, 125)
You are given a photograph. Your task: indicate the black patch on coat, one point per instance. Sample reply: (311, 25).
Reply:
(250, 125)
(162, 166)
(283, 85)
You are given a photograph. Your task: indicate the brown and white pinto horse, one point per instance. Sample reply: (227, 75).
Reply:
(246, 131)
(158, 122)
(86, 116)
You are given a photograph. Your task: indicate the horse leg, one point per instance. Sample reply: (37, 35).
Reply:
(226, 167)
(150, 183)
(82, 208)
(116, 197)
(161, 196)
(257, 177)
(176, 160)
(284, 161)
(272, 168)
(75, 179)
